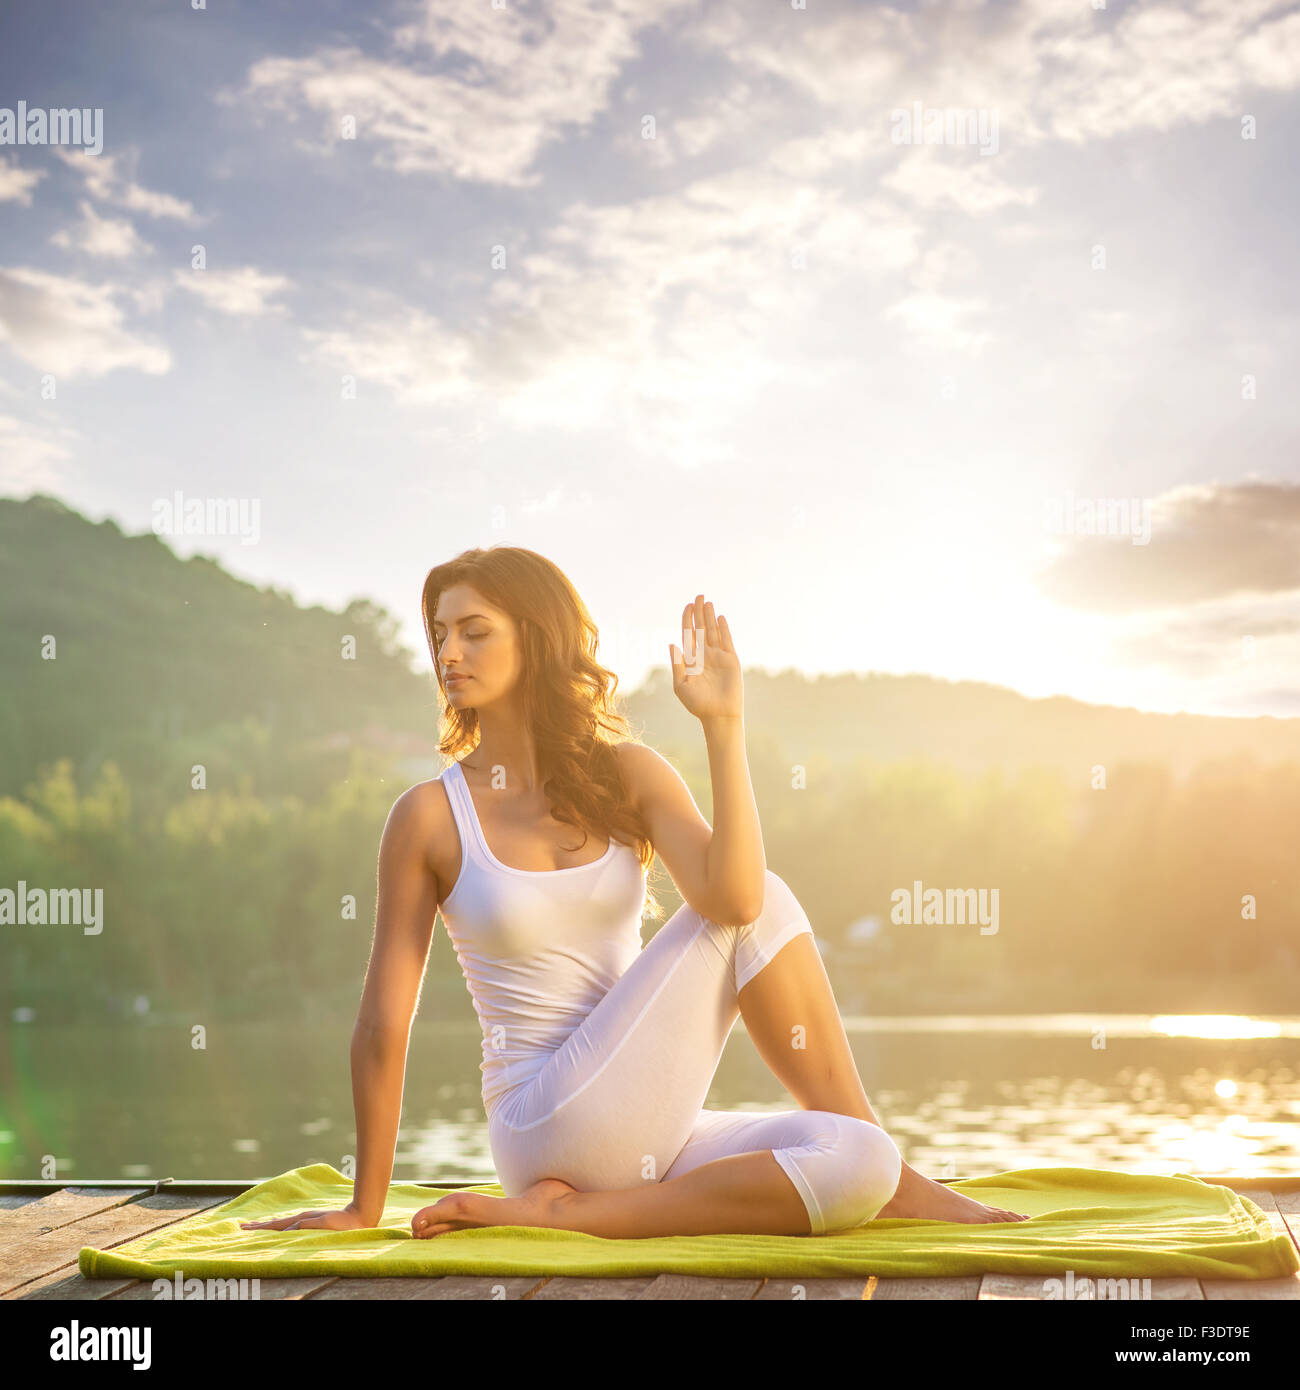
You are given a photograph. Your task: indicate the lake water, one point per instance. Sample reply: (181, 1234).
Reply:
(960, 1096)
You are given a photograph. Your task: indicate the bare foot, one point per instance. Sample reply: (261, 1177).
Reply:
(922, 1197)
(538, 1205)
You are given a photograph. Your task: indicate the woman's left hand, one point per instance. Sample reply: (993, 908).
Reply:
(707, 681)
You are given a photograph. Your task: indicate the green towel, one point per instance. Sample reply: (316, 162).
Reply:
(1088, 1220)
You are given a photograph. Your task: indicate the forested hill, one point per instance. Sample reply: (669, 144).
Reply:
(968, 725)
(152, 649)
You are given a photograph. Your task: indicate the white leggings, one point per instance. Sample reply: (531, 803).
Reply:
(619, 1102)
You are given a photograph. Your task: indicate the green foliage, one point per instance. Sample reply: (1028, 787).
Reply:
(230, 901)
(155, 657)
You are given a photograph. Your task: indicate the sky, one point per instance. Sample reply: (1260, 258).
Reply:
(955, 338)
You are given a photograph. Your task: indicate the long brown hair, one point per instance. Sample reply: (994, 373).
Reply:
(568, 696)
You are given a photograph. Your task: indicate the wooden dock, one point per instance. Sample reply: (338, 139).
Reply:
(44, 1226)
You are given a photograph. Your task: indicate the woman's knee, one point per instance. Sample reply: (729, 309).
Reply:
(780, 906)
(873, 1167)
(778, 895)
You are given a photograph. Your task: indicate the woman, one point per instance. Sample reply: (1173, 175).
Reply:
(597, 1053)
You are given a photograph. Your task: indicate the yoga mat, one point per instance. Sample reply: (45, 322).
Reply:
(1088, 1220)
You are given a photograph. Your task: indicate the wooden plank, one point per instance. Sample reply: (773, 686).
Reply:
(1014, 1286)
(1168, 1290)
(1257, 1290)
(964, 1288)
(139, 1290)
(60, 1208)
(293, 1290)
(690, 1286)
(1099, 1288)
(470, 1287)
(799, 1290)
(63, 1286)
(397, 1288)
(9, 1202)
(53, 1251)
(1253, 1290)
(73, 1286)
(1288, 1207)
(571, 1289)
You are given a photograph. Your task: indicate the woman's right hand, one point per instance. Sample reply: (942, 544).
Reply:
(338, 1219)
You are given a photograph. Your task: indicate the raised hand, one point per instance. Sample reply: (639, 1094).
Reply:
(706, 674)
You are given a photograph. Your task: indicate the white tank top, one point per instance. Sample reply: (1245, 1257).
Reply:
(539, 949)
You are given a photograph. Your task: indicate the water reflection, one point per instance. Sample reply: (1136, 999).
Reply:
(962, 1096)
(1217, 1026)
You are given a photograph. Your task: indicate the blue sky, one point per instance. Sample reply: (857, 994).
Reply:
(654, 289)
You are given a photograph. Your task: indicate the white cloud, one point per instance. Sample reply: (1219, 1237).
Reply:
(148, 296)
(1208, 542)
(719, 116)
(29, 455)
(472, 91)
(70, 328)
(670, 315)
(110, 237)
(934, 176)
(840, 147)
(935, 321)
(244, 291)
(107, 183)
(1271, 55)
(1052, 69)
(667, 316)
(16, 183)
(406, 351)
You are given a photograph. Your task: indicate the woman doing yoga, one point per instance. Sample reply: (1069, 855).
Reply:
(598, 1053)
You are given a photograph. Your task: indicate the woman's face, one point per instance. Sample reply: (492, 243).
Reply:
(477, 642)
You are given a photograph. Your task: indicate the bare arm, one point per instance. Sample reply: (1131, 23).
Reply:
(737, 860)
(718, 883)
(404, 916)
(405, 910)
(721, 870)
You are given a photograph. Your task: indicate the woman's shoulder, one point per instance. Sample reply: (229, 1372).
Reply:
(427, 808)
(421, 796)
(643, 768)
(637, 754)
